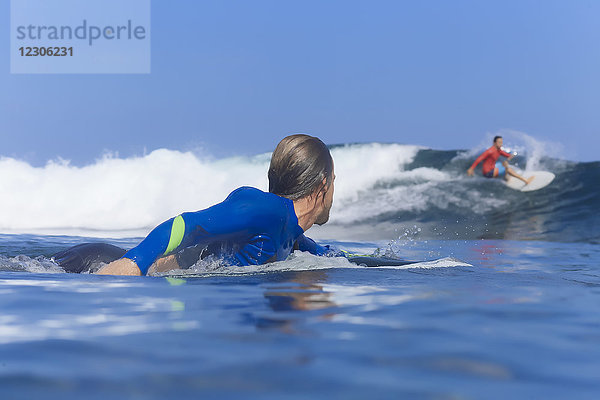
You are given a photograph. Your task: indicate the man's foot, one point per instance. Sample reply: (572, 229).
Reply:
(528, 180)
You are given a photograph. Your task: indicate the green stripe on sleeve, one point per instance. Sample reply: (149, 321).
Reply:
(177, 231)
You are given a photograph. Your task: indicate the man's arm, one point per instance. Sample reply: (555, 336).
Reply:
(505, 154)
(479, 159)
(164, 264)
(122, 266)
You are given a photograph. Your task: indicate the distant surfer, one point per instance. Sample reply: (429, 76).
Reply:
(492, 168)
(250, 226)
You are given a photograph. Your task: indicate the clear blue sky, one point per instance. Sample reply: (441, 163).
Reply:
(234, 77)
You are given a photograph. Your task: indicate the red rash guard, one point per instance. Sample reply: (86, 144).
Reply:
(489, 158)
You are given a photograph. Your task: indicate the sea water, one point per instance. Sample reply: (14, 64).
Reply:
(509, 310)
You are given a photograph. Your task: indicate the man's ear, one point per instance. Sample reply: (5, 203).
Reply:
(319, 193)
(322, 190)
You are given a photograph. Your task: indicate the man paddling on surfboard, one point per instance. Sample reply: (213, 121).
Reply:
(250, 226)
(492, 168)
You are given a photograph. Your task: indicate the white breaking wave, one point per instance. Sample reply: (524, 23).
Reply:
(372, 180)
(116, 194)
(359, 167)
(365, 174)
(124, 197)
(115, 197)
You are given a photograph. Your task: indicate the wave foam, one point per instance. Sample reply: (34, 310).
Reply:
(120, 197)
(118, 194)
(299, 261)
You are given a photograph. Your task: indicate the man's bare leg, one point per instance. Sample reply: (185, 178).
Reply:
(511, 172)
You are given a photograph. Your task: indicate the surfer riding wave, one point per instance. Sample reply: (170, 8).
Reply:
(492, 168)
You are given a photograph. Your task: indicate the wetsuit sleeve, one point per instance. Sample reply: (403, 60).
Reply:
(304, 243)
(479, 159)
(505, 154)
(222, 222)
(482, 157)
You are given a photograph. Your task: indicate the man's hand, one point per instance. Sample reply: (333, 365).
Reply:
(167, 263)
(122, 266)
(470, 172)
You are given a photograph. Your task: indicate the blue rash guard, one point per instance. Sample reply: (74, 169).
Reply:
(248, 227)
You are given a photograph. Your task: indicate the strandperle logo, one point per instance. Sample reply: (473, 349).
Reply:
(85, 31)
(80, 37)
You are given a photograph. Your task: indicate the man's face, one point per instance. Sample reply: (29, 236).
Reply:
(498, 143)
(325, 202)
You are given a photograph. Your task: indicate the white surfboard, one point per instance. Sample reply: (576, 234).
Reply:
(541, 179)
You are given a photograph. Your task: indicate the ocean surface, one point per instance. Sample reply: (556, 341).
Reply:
(506, 303)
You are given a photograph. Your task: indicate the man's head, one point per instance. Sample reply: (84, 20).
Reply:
(302, 167)
(498, 141)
